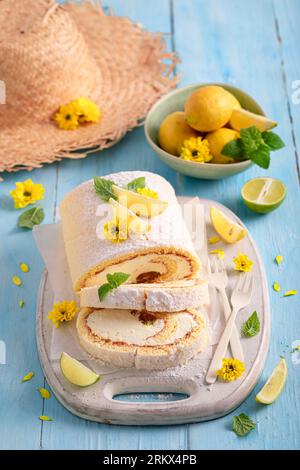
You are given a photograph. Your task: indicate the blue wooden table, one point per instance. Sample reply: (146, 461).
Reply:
(255, 46)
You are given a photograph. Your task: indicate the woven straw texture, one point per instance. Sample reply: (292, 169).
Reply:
(51, 54)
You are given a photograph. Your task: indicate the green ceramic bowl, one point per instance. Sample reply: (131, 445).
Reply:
(174, 101)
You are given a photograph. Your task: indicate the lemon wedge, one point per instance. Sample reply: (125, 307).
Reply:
(129, 219)
(144, 206)
(274, 385)
(227, 229)
(241, 119)
(77, 373)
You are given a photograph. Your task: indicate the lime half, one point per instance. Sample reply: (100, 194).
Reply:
(77, 373)
(263, 195)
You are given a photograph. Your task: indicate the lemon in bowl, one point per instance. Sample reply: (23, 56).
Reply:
(225, 102)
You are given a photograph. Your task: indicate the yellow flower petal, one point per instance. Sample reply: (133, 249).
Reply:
(44, 392)
(24, 267)
(220, 253)
(288, 293)
(16, 280)
(213, 240)
(21, 303)
(28, 377)
(276, 286)
(279, 259)
(45, 418)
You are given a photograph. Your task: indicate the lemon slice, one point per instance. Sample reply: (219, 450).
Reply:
(77, 373)
(127, 218)
(274, 385)
(138, 203)
(227, 229)
(241, 119)
(263, 195)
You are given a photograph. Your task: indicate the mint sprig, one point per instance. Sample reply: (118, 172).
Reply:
(254, 145)
(113, 281)
(251, 327)
(104, 188)
(242, 424)
(137, 183)
(31, 217)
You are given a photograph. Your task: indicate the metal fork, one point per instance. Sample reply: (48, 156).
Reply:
(219, 279)
(240, 298)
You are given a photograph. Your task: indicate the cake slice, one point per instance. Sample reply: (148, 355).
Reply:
(173, 296)
(141, 339)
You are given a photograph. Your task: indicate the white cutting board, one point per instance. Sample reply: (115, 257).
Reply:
(205, 402)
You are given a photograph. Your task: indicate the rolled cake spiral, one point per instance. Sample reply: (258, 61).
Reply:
(140, 339)
(164, 253)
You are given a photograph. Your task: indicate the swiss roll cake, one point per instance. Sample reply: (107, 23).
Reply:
(163, 252)
(140, 339)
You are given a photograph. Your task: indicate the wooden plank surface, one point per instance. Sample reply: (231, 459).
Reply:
(255, 46)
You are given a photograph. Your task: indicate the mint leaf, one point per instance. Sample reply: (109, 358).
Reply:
(103, 291)
(113, 281)
(31, 217)
(233, 149)
(272, 140)
(261, 156)
(104, 188)
(251, 139)
(251, 327)
(242, 424)
(137, 183)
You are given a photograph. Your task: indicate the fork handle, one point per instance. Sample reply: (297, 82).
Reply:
(235, 342)
(221, 348)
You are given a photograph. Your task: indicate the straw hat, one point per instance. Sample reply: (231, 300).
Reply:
(51, 54)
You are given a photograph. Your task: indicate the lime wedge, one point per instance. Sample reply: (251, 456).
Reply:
(241, 119)
(263, 195)
(227, 229)
(274, 385)
(77, 373)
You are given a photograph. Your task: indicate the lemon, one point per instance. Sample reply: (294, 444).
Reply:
(138, 203)
(274, 385)
(173, 132)
(209, 108)
(241, 119)
(227, 229)
(129, 218)
(77, 373)
(217, 140)
(263, 195)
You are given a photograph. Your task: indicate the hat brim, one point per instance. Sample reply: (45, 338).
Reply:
(133, 76)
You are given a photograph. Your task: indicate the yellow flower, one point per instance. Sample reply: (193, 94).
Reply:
(196, 149)
(86, 110)
(147, 192)
(114, 231)
(213, 240)
(27, 192)
(231, 369)
(242, 263)
(62, 311)
(220, 253)
(66, 117)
